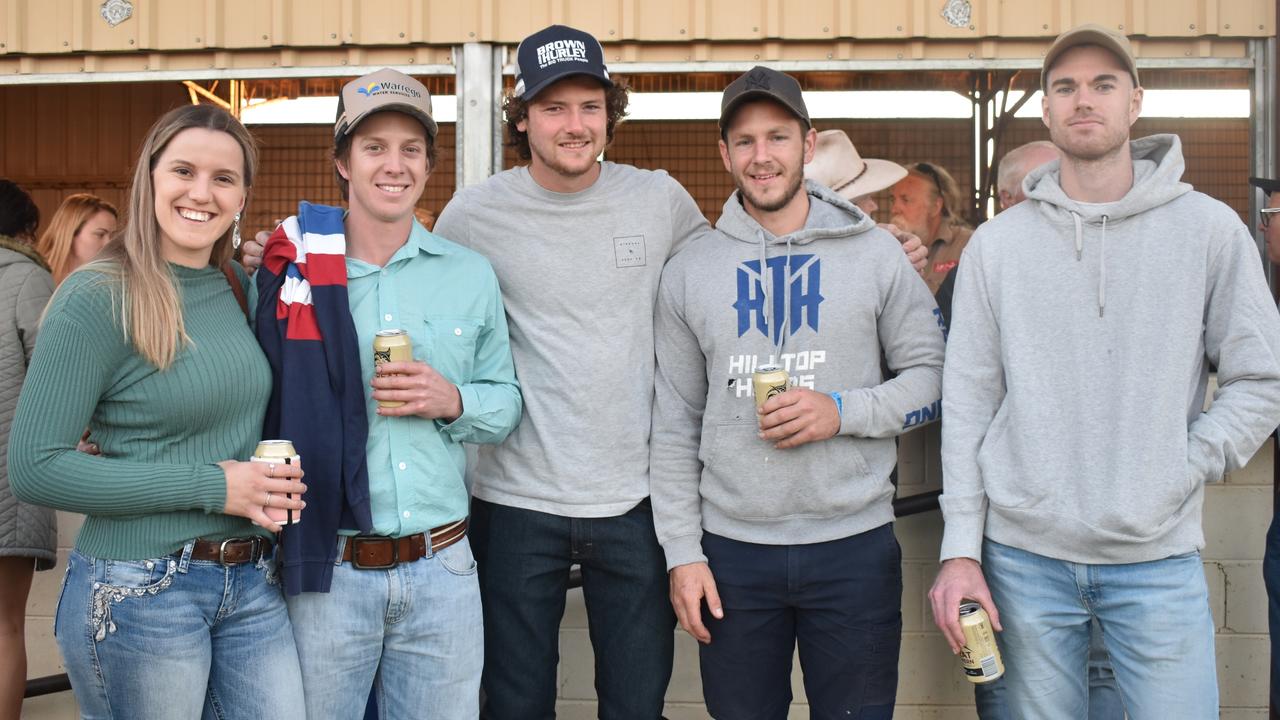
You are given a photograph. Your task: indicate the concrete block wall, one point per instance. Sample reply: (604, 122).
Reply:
(930, 687)
(1237, 512)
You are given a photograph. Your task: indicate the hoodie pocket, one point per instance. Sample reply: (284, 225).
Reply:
(749, 479)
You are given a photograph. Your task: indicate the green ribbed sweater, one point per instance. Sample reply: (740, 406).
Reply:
(156, 484)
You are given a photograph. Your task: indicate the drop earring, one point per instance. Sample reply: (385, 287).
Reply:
(235, 233)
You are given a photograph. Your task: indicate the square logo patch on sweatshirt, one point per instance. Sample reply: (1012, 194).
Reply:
(628, 251)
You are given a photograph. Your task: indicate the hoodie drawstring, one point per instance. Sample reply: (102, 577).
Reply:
(1102, 270)
(765, 283)
(1079, 237)
(1102, 259)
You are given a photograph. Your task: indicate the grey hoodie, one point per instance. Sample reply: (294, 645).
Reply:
(1077, 366)
(845, 291)
(25, 286)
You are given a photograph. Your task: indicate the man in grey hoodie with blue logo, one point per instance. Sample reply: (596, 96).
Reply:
(778, 525)
(1076, 445)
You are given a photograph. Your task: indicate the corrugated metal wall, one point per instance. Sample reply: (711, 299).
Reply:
(60, 26)
(43, 36)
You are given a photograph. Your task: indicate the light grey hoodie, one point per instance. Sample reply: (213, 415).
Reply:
(848, 294)
(1077, 365)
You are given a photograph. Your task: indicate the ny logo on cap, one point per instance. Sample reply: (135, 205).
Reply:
(758, 80)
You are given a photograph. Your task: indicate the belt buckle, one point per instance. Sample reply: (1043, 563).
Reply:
(222, 551)
(357, 540)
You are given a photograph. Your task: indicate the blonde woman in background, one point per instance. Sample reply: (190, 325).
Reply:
(80, 227)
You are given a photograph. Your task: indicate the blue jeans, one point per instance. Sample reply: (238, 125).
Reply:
(839, 601)
(1155, 622)
(1104, 697)
(1271, 575)
(172, 638)
(412, 633)
(524, 574)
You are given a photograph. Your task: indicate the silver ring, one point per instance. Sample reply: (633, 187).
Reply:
(268, 501)
(271, 471)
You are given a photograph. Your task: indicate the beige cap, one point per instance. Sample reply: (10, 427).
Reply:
(837, 165)
(385, 89)
(1089, 34)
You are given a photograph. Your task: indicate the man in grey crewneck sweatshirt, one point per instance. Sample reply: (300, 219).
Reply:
(1075, 443)
(578, 246)
(782, 522)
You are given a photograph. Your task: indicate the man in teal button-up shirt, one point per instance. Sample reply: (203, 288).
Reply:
(447, 299)
(413, 625)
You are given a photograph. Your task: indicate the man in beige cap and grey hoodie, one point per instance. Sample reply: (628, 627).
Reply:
(1076, 445)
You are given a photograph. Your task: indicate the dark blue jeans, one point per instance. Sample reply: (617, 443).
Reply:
(1271, 574)
(524, 559)
(839, 601)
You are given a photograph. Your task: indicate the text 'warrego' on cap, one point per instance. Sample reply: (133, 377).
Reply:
(385, 89)
(763, 82)
(555, 53)
(1089, 34)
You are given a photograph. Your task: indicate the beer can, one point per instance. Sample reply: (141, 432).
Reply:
(278, 452)
(980, 656)
(767, 381)
(391, 346)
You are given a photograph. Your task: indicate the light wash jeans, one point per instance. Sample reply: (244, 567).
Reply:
(1155, 622)
(1104, 698)
(172, 638)
(413, 633)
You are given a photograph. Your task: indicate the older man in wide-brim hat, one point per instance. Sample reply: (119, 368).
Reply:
(837, 165)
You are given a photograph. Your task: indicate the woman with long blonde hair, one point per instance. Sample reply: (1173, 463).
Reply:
(81, 226)
(170, 607)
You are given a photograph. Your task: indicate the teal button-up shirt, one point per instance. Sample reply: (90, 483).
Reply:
(447, 298)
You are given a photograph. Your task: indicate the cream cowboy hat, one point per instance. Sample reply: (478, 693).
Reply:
(837, 165)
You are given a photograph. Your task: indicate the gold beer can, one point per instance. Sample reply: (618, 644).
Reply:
(278, 452)
(980, 656)
(767, 381)
(391, 346)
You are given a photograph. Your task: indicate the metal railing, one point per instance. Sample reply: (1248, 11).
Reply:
(902, 507)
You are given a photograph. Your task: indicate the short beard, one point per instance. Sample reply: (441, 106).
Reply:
(792, 189)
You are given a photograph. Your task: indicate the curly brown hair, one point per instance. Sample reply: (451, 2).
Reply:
(516, 111)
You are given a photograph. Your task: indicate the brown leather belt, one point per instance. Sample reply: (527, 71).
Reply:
(232, 551)
(378, 552)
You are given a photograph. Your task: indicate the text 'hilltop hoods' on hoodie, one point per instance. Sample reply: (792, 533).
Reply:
(824, 303)
(1078, 361)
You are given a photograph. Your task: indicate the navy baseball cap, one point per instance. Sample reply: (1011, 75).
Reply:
(556, 53)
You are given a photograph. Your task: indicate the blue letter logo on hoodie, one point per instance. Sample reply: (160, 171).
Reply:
(800, 279)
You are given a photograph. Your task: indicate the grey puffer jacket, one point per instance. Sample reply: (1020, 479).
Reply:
(25, 288)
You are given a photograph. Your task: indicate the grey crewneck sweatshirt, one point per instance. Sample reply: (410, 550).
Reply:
(844, 292)
(1077, 365)
(579, 273)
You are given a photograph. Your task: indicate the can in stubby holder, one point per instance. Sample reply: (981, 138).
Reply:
(767, 381)
(278, 452)
(391, 346)
(980, 655)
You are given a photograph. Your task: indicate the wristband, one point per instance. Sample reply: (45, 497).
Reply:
(839, 403)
